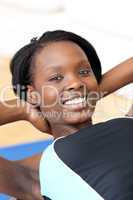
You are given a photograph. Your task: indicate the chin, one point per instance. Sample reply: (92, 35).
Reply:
(78, 117)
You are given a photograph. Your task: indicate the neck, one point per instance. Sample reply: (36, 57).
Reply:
(59, 130)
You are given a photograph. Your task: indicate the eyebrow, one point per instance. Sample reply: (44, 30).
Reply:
(58, 67)
(84, 62)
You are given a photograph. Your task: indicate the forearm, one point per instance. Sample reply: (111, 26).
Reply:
(32, 163)
(15, 110)
(18, 181)
(117, 77)
(10, 111)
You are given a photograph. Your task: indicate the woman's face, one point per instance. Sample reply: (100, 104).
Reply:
(65, 82)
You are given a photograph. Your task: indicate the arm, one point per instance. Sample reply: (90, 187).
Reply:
(18, 181)
(20, 178)
(15, 110)
(10, 112)
(32, 163)
(117, 77)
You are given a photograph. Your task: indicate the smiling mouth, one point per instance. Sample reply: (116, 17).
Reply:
(75, 103)
(76, 100)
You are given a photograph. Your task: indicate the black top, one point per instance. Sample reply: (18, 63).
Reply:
(102, 155)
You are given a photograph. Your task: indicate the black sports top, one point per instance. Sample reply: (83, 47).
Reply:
(94, 163)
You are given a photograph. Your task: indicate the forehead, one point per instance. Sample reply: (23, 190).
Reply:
(60, 53)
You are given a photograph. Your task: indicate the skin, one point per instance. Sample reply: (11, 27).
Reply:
(17, 180)
(68, 57)
(64, 72)
(15, 110)
(59, 76)
(117, 77)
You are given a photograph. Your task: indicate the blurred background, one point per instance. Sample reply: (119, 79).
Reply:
(106, 24)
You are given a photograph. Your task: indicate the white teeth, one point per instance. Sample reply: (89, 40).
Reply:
(75, 101)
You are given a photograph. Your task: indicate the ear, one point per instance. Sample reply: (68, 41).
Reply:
(33, 97)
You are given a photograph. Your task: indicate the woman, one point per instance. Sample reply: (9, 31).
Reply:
(67, 68)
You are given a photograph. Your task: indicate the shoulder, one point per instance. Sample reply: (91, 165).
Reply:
(119, 126)
(125, 121)
(112, 125)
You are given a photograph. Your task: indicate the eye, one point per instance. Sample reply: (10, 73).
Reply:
(85, 71)
(56, 77)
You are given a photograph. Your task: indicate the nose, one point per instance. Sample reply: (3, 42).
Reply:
(74, 83)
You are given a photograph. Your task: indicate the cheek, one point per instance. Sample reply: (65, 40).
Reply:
(93, 94)
(50, 105)
(49, 95)
(92, 85)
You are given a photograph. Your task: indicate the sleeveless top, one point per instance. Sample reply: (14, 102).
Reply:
(94, 163)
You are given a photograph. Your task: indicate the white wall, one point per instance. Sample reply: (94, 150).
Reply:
(106, 24)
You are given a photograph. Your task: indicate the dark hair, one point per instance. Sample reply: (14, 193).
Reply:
(21, 63)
